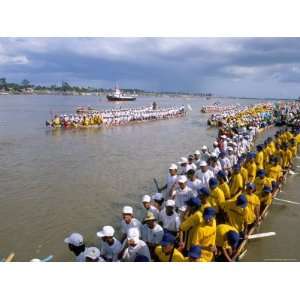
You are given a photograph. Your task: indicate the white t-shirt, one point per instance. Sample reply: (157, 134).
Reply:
(140, 248)
(135, 223)
(111, 252)
(205, 176)
(171, 180)
(195, 185)
(154, 235)
(182, 196)
(171, 223)
(81, 256)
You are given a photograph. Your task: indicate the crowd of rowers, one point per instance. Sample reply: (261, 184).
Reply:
(209, 203)
(217, 108)
(115, 117)
(255, 115)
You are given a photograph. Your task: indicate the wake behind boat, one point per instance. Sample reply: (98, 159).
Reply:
(119, 96)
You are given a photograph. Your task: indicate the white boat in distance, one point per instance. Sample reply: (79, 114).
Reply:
(118, 96)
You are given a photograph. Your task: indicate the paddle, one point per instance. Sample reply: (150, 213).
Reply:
(287, 201)
(156, 184)
(260, 235)
(242, 255)
(10, 257)
(189, 107)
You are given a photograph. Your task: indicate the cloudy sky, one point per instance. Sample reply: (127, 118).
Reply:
(254, 67)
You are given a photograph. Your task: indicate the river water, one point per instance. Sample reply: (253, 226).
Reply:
(56, 182)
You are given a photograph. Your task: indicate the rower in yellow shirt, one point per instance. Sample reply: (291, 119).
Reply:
(251, 166)
(216, 197)
(236, 182)
(274, 171)
(238, 212)
(166, 251)
(261, 180)
(265, 197)
(192, 220)
(293, 148)
(223, 185)
(204, 194)
(243, 170)
(253, 204)
(205, 236)
(227, 242)
(287, 156)
(259, 160)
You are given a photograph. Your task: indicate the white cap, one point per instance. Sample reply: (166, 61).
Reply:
(75, 239)
(133, 234)
(106, 231)
(197, 152)
(92, 253)
(146, 199)
(170, 202)
(223, 136)
(230, 149)
(213, 155)
(173, 167)
(183, 160)
(216, 143)
(204, 147)
(127, 210)
(157, 196)
(203, 163)
(182, 179)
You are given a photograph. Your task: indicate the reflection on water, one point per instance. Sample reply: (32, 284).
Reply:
(54, 182)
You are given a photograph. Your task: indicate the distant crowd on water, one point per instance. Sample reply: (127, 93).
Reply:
(114, 117)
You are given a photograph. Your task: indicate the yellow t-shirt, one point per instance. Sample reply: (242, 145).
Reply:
(237, 216)
(244, 173)
(226, 189)
(216, 199)
(190, 227)
(205, 236)
(274, 172)
(260, 183)
(177, 256)
(251, 167)
(253, 202)
(267, 199)
(260, 160)
(286, 158)
(236, 183)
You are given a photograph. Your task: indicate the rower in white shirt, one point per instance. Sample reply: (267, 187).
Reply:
(204, 174)
(231, 156)
(193, 182)
(152, 233)
(110, 246)
(182, 194)
(184, 165)
(216, 149)
(225, 162)
(128, 221)
(169, 219)
(191, 165)
(214, 164)
(146, 201)
(171, 181)
(197, 158)
(205, 153)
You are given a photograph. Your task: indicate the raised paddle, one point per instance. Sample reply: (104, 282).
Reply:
(156, 184)
(260, 235)
(287, 201)
(10, 257)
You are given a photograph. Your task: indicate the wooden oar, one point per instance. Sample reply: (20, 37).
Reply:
(10, 257)
(242, 255)
(156, 184)
(48, 258)
(260, 235)
(287, 201)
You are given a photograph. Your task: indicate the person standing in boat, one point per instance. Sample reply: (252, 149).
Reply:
(148, 207)
(128, 221)
(204, 174)
(171, 181)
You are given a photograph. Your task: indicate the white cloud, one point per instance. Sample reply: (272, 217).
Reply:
(13, 60)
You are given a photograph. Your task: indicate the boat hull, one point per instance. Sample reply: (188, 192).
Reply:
(113, 98)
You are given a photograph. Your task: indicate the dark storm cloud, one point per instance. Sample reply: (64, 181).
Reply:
(187, 64)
